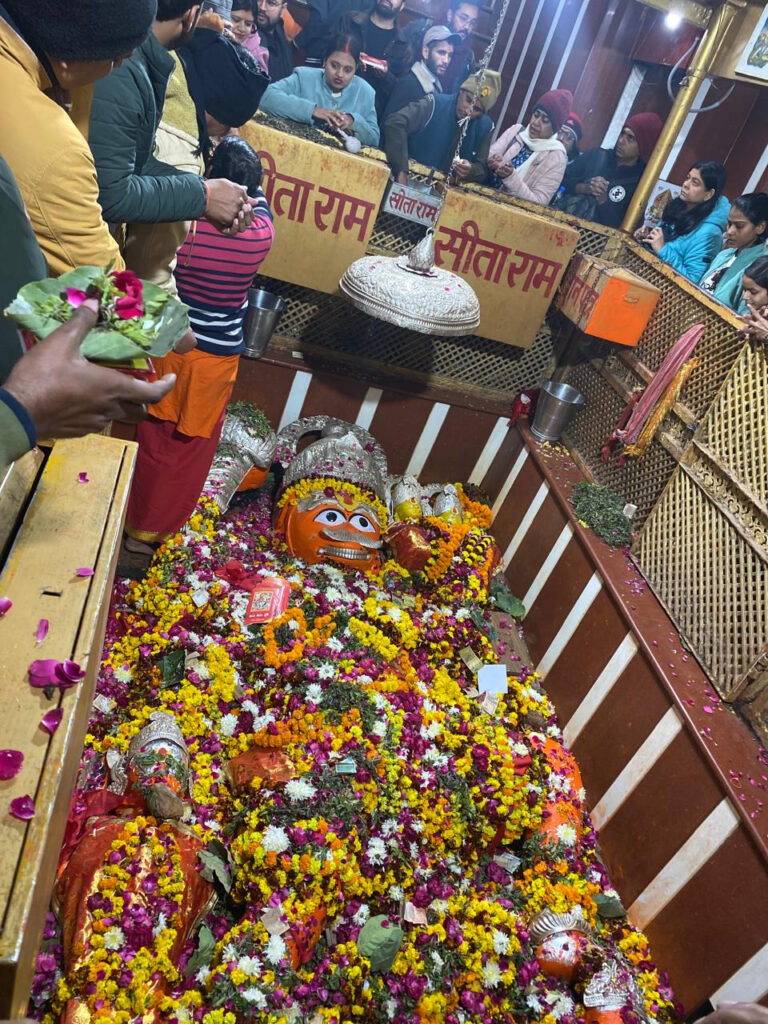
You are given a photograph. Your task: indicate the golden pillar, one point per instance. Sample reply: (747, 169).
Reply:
(720, 23)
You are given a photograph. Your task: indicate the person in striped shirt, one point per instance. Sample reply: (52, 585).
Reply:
(178, 440)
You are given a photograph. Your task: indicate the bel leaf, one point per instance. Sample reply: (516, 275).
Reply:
(215, 865)
(172, 667)
(609, 906)
(206, 943)
(506, 601)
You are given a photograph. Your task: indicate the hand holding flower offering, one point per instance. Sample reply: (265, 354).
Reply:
(137, 319)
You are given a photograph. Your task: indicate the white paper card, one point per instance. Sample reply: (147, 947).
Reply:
(492, 679)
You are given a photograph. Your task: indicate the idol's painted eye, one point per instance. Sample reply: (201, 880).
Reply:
(330, 517)
(362, 523)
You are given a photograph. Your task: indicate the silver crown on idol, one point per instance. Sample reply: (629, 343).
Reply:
(547, 923)
(238, 451)
(162, 730)
(343, 451)
(613, 988)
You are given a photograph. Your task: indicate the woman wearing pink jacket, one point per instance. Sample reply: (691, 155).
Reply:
(529, 162)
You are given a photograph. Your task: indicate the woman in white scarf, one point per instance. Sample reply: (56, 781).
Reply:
(529, 162)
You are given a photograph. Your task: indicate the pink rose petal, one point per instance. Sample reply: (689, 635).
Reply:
(75, 296)
(52, 720)
(5, 605)
(708, 709)
(42, 630)
(84, 571)
(49, 672)
(68, 673)
(10, 763)
(43, 672)
(23, 808)
(82, 478)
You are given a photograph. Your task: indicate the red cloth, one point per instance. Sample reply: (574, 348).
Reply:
(641, 405)
(170, 472)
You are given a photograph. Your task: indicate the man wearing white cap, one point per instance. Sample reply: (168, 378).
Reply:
(425, 76)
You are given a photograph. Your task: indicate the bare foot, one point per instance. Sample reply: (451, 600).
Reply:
(138, 547)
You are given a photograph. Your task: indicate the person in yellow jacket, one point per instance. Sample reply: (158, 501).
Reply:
(51, 52)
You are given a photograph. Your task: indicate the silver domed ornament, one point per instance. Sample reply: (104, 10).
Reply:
(410, 291)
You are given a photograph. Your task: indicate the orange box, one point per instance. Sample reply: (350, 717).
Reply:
(605, 301)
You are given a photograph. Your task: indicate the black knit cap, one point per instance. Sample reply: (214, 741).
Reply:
(230, 82)
(83, 29)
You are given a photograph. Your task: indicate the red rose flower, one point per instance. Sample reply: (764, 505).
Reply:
(129, 305)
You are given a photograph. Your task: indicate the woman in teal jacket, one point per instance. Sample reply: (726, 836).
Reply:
(745, 237)
(691, 232)
(332, 94)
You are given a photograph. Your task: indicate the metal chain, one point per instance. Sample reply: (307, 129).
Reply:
(485, 60)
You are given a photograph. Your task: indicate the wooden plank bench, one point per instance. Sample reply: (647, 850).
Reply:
(54, 524)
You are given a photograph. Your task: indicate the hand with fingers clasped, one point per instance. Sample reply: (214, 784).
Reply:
(335, 119)
(227, 206)
(66, 396)
(756, 323)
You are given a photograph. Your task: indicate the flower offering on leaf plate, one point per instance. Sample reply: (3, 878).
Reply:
(137, 319)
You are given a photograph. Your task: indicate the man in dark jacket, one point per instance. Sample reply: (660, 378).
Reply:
(600, 183)
(428, 130)
(426, 74)
(462, 20)
(127, 105)
(325, 17)
(269, 21)
(385, 53)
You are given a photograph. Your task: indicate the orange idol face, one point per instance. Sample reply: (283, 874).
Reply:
(338, 527)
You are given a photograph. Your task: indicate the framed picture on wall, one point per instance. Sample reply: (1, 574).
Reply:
(663, 193)
(754, 59)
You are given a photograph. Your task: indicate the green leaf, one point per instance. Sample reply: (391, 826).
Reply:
(39, 308)
(505, 600)
(215, 864)
(603, 511)
(609, 906)
(482, 624)
(172, 667)
(206, 943)
(380, 940)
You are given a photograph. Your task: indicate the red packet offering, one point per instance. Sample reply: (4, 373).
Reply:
(141, 368)
(268, 601)
(28, 339)
(374, 62)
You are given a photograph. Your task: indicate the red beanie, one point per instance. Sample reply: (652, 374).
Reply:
(646, 129)
(556, 104)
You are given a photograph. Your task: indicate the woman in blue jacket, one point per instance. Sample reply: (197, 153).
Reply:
(745, 236)
(691, 231)
(332, 94)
